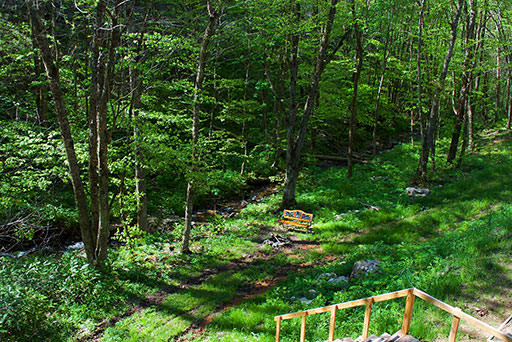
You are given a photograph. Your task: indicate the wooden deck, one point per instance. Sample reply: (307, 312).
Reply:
(400, 336)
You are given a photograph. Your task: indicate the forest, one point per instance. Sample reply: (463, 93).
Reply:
(148, 149)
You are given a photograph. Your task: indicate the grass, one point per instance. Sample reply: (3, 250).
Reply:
(447, 244)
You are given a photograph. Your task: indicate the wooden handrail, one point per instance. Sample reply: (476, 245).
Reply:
(456, 312)
(411, 293)
(346, 305)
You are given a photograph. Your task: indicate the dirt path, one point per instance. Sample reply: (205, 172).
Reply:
(253, 290)
(294, 249)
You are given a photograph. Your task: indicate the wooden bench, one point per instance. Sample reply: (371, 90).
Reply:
(296, 218)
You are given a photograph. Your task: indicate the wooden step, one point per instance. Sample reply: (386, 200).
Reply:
(399, 337)
(382, 338)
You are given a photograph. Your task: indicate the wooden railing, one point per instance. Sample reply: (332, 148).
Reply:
(411, 294)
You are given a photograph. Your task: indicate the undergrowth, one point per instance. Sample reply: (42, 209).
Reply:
(444, 244)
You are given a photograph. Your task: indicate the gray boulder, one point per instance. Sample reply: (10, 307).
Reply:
(363, 267)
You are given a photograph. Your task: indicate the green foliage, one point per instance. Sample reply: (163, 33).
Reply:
(34, 183)
(42, 295)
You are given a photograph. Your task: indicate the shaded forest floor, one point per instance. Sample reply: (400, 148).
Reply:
(454, 244)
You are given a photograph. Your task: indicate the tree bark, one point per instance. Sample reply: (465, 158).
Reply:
(94, 232)
(140, 179)
(419, 79)
(208, 33)
(379, 90)
(104, 46)
(136, 88)
(244, 122)
(355, 82)
(52, 73)
(466, 80)
(296, 133)
(40, 91)
(428, 142)
(497, 106)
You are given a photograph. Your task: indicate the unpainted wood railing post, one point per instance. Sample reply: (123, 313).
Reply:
(303, 329)
(409, 305)
(331, 324)
(367, 316)
(454, 329)
(278, 329)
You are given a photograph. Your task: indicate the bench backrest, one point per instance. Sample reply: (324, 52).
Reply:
(297, 217)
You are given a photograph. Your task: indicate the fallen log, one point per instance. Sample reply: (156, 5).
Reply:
(337, 158)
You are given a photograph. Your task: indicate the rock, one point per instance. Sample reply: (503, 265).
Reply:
(364, 267)
(304, 300)
(336, 280)
(326, 276)
(339, 216)
(313, 292)
(77, 245)
(420, 192)
(277, 241)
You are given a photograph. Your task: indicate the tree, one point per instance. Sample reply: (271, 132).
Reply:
(430, 124)
(355, 82)
(208, 33)
(94, 230)
(296, 131)
(467, 75)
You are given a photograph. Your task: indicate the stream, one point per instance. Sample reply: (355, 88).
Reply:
(224, 208)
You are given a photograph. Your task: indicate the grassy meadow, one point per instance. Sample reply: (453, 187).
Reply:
(454, 244)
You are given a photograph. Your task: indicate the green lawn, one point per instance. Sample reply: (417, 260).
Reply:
(447, 244)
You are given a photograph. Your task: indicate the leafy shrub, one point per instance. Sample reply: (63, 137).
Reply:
(36, 290)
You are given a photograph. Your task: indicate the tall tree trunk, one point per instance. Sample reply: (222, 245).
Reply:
(466, 81)
(208, 33)
(379, 90)
(428, 142)
(419, 78)
(136, 87)
(497, 103)
(509, 110)
(279, 108)
(296, 132)
(292, 157)
(105, 43)
(140, 179)
(52, 73)
(244, 122)
(40, 91)
(355, 82)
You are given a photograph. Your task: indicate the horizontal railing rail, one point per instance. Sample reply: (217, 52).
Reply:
(457, 315)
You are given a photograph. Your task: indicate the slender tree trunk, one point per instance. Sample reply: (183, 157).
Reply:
(497, 104)
(40, 91)
(244, 122)
(465, 135)
(466, 75)
(95, 233)
(52, 73)
(355, 82)
(292, 158)
(419, 80)
(428, 142)
(470, 124)
(296, 132)
(136, 87)
(279, 108)
(509, 111)
(140, 179)
(208, 33)
(379, 90)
